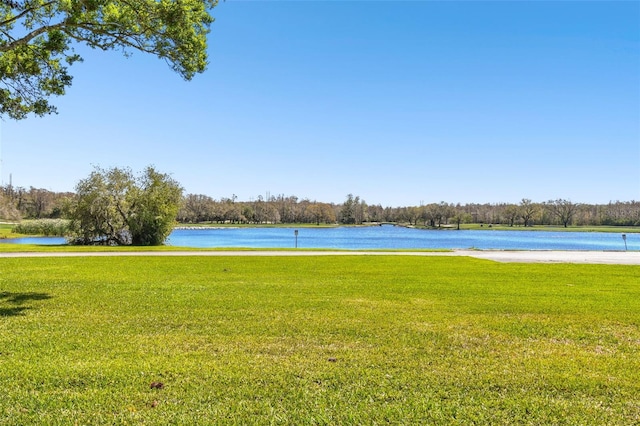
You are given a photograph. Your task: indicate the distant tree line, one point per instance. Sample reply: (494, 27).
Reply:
(18, 203)
(202, 208)
(355, 211)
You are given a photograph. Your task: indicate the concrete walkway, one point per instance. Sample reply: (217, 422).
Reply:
(541, 256)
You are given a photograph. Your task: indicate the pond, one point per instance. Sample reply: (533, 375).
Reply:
(397, 237)
(386, 237)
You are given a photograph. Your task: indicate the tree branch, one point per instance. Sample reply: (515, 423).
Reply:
(118, 38)
(30, 36)
(23, 13)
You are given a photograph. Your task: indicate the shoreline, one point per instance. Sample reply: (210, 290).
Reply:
(502, 256)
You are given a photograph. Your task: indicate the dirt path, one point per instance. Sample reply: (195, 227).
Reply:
(592, 257)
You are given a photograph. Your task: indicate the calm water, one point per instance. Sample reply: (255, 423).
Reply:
(387, 237)
(395, 237)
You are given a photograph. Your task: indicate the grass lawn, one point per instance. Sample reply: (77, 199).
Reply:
(317, 340)
(5, 230)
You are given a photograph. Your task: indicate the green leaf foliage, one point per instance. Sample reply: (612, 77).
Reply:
(112, 207)
(37, 38)
(157, 201)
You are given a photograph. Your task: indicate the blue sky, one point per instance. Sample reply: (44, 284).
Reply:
(400, 103)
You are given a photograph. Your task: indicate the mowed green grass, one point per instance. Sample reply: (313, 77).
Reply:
(317, 340)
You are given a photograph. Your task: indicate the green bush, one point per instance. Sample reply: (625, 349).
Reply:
(114, 207)
(47, 227)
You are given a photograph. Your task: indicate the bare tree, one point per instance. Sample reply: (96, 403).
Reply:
(527, 211)
(564, 210)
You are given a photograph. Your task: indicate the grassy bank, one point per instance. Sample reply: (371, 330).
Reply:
(464, 226)
(317, 340)
(6, 230)
(254, 225)
(556, 228)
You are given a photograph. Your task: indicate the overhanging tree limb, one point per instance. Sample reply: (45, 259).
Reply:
(37, 39)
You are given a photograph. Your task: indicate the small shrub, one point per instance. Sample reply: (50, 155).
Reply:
(46, 227)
